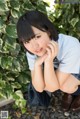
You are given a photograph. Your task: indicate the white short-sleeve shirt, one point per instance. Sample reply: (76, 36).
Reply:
(68, 55)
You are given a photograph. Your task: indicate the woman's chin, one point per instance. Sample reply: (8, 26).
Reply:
(41, 54)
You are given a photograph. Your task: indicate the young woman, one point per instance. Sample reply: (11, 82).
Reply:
(44, 45)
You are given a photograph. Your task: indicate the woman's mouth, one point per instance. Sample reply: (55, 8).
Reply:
(38, 51)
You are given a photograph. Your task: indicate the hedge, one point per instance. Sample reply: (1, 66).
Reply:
(14, 71)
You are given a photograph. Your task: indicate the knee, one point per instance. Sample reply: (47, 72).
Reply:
(66, 89)
(63, 88)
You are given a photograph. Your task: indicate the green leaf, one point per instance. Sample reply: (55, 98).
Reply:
(15, 96)
(23, 110)
(11, 46)
(8, 89)
(16, 65)
(2, 26)
(10, 79)
(48, 1)
(1, 23)
(15, 13)
(24, 78)
(78, 26)
(57, 14)
(11, 31)
(74, 21)
(3, 7)
(16, 85)
(1, 43)
(16, 49)
(41, 6)
(15, 5)
(0, 76)
(19, 93)
(2, 94)
(4, 17)
(21, 103)
(2, 84)
(6, 62)
(0, 61)
(28, 5)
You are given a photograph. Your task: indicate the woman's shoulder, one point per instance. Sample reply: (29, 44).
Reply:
(68, 41)
(68, 45)
(31, 60)
(67, 38)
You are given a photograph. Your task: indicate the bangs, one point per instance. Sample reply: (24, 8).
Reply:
(38, 20)
(25, 31)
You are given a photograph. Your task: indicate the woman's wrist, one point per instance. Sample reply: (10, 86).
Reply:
(48, 62)
(37, 65)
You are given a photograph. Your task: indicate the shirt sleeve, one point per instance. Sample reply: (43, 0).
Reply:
(31, 60)
(70, 63)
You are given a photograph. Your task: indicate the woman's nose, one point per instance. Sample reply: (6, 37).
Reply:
(34, 45)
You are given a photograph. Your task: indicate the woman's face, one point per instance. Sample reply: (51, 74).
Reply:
(38, 44)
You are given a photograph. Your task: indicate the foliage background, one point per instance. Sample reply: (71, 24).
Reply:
(14, 72)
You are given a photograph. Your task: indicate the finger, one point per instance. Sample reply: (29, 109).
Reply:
(48, 51)
(43, 57)
(54, 42)
(55, 45)
(51, 47)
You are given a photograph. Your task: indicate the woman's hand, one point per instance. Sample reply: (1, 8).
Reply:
(40, 60)
(52, 51)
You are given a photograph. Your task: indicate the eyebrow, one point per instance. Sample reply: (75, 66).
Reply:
(38, 34)
(32, 37)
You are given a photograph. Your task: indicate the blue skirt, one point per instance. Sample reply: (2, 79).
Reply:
(76, 76)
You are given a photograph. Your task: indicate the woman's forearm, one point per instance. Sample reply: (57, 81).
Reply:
(37, 79)
(50, 78)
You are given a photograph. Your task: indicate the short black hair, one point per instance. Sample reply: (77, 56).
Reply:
(37, 19)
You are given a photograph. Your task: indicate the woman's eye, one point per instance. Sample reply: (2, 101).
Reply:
(38, 36)
(27, 42)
